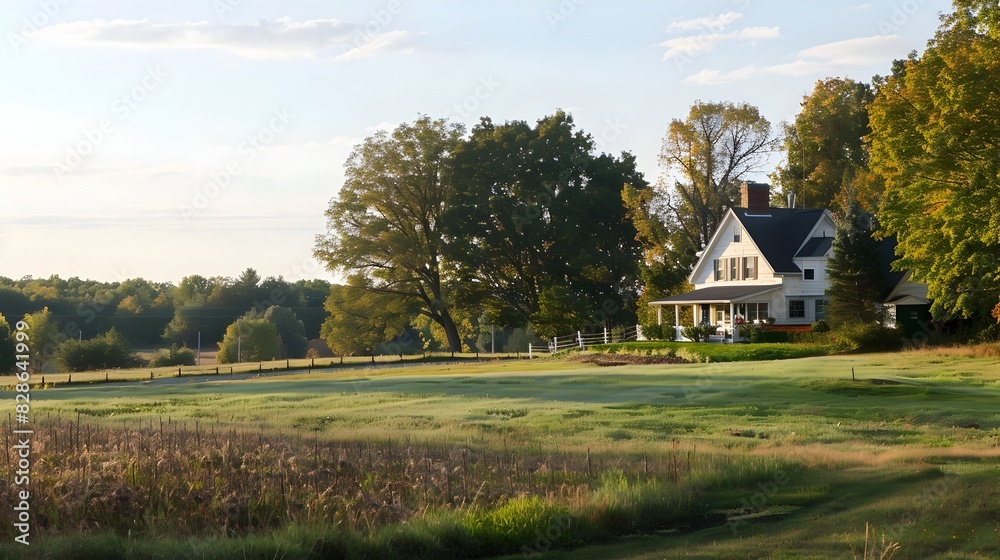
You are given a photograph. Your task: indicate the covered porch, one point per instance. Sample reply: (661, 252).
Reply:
(724, 307)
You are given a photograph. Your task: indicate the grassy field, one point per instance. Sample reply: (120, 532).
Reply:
(758, 459)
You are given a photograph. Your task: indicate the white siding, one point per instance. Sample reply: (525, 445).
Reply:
(726, 248)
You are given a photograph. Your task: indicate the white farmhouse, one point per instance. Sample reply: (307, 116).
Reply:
(767, 262)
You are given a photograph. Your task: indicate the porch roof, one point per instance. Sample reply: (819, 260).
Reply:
(718, 294)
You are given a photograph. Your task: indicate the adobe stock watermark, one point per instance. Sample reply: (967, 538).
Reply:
(468, 107)
(46, 13)
(248, 151)
(563, 12)
(901, 15)
(557, 532)
(122, 108)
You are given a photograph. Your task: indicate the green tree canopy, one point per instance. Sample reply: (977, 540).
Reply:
(45, 339)
(8, 354)
(936, 142)
(534, 207)
(361, 318)
(251, 338)
(385, 223)
(110, 350)
(291, 331)
(825, 144)
(709, 155)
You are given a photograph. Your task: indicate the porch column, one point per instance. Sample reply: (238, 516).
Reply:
(677, 321)
(695, 320)
(732, 319)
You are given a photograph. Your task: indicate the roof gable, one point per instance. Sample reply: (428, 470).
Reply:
(782, 235)
(815, 247)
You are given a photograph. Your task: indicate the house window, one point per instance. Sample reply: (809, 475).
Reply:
(809, 274)
(821, 309)
(734, 271)
(720, 270)
(752, 311)
(914, 315)
(749, 268)
(796, 309)
(736, 234)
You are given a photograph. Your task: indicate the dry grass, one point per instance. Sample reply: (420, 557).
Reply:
(873, 548)
(980, 350)
(165, 479)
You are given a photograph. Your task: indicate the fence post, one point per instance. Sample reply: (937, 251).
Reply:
(605, 335)
(555, 344)
(530, 356)
(579, 338)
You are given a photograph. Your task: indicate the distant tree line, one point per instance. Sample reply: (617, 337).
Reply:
(89, 324)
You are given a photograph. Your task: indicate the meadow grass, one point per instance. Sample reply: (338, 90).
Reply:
(714, 352)
(719, 460)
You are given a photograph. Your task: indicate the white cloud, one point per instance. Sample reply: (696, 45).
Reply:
(861, 7)
(858, 51)
(825, 58)
(712, 23)
(264, 39)
(714, 77)
(696, 44)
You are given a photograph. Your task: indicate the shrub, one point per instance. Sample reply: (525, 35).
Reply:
(173, 356)
(821, 326)
(698, 333)
(774, 336)
(811, 337)
(868, 337)
(750, 332)
(658, 332)
(110, 350)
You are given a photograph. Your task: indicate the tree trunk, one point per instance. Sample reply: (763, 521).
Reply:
(451, 330)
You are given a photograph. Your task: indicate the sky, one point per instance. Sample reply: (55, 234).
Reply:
(166, 139)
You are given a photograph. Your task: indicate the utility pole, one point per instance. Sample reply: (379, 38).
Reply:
(493, 339)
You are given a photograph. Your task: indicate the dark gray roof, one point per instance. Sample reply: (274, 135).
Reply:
(719, 294)
(780, 234)
(815, 247)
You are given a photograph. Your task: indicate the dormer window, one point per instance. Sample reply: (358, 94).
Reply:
(809, 274)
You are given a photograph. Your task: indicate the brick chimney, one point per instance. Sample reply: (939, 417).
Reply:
(756, 198)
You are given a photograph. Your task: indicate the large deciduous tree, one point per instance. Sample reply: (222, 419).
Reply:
(536, 211)
(825, 145)
(936, 142)
(385, 223)
(708, 155)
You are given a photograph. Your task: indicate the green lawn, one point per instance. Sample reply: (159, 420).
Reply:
(911, 444)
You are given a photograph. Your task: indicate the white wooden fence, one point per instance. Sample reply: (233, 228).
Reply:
(582, 341)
